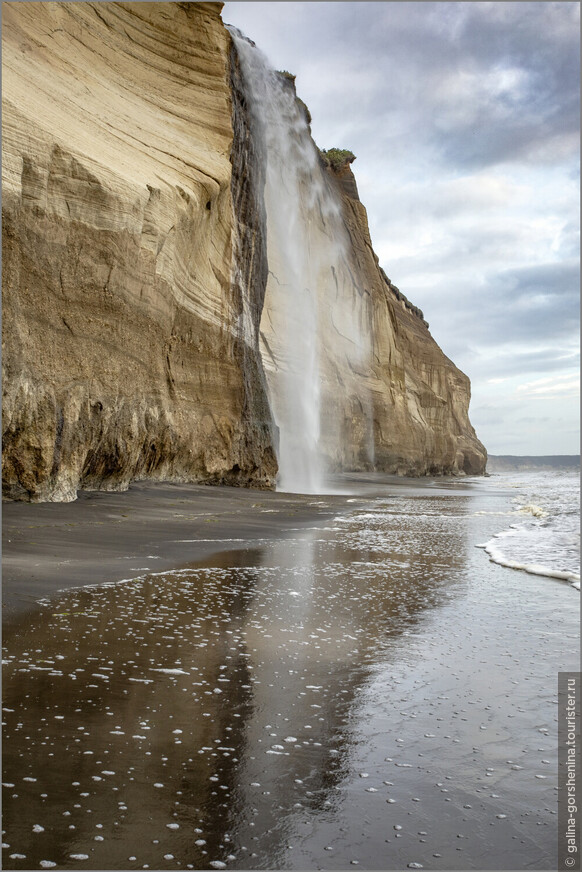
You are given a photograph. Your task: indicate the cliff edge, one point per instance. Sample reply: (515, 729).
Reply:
(420, 398)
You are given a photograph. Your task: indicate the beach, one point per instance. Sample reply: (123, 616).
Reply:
(217, 678)
(108, 536)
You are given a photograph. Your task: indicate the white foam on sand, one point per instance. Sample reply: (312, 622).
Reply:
(497, 555)
(545, 538)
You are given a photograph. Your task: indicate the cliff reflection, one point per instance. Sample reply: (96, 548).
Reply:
(201, 717)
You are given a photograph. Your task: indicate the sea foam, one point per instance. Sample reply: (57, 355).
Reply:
(546, 540)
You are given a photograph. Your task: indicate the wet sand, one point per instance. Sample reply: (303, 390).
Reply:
(104, 537)
(353, 684)
(109, 536)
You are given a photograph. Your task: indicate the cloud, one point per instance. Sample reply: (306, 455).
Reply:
(522, 319)
(511, 360)
(527, 305)
(549, 387)
(513, 421)
(472, 85)
(509, 91)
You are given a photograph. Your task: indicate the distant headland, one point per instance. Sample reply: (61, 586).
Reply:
(502, 462)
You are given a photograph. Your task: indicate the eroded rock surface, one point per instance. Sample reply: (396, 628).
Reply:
(420, 398)
(125, 350)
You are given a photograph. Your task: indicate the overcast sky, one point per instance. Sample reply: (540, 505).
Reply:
(464, 118)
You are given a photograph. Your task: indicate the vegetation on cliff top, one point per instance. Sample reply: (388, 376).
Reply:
(336, 158)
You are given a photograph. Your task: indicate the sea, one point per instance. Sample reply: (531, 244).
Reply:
(542, 535)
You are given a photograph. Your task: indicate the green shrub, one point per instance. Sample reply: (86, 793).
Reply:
(336, 158)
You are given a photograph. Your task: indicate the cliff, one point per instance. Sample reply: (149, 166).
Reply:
(130, 252)
(135, 270)
(420, 398)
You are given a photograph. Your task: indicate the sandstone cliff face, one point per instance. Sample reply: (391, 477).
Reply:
(135, 269)
(131, 253)
(420, 398)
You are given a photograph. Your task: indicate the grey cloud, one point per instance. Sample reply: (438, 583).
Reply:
(409, 53)
(490, 340)
(569, 240)
(491, 141)
(498, 322)
(533, 118)
(557, 280)
(530, 304)
(527, 305)
(503, 355)
(507, 364)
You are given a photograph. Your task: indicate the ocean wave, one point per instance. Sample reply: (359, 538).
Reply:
(545, 540)
(497, 556)
(533, 510)
(537, 551)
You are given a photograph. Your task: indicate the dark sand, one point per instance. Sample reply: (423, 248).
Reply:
(102, 537)
(105, 537)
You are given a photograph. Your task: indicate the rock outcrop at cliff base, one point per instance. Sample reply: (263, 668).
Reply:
(135, 268)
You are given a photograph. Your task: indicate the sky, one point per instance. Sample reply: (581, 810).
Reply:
(464, 119)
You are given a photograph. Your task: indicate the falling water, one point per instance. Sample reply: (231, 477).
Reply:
(305, 245)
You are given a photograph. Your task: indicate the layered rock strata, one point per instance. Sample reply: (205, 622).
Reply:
(420, 399)
(133, 257)
(135, 267)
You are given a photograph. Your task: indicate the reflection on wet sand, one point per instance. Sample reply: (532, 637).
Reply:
(210, 716)
(189, 713)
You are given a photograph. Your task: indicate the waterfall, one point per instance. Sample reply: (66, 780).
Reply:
(306, 245)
